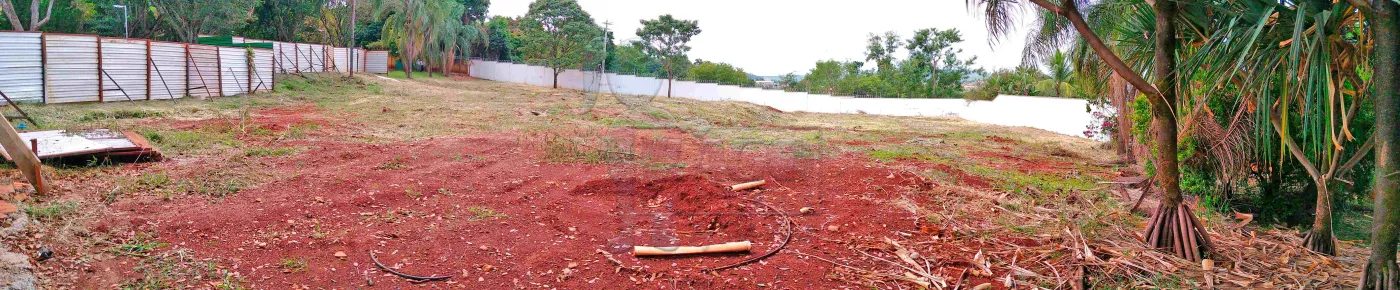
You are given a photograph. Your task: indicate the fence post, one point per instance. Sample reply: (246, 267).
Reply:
(219, 65)
(101, 90)
(249, 60)
(44, 66)
(148, 69)
(186, 90)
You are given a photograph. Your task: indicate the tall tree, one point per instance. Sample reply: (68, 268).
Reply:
(667, 39)
(190, 18)
(474, 11)
(1380, 271)
(557, 35)
(1173, 227)
(931, 51)
(281, 20)
(35, 22)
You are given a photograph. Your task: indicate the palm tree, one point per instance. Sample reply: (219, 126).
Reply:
(1060, 72)
(1173, 225)
(410, 23)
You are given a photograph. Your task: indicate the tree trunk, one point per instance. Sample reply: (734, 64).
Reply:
(670, 81)
(1319, 238)
(1380, 271)
(1173, 226)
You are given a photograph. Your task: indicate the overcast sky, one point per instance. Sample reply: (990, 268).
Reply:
(773, 37)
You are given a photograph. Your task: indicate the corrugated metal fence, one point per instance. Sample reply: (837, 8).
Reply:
(67, 68)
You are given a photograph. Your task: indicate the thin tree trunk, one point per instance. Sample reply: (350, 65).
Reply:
(1163, 119)
(1173, 227)
(1381, 271)
(1320, 238)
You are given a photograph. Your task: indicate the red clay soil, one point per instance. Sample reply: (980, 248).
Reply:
(486, 209)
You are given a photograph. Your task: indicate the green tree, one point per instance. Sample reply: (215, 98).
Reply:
(35, 22)
(190, 18)
(932, 53)
(475, 11)
(558, 35)
(718, 72)
(142, 18)
(281, 20)
(1060, 72)
(408, 23)
(666, 38)
(631, 58)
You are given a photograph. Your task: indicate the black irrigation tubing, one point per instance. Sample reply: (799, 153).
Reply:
(411, 277)
(787, 237)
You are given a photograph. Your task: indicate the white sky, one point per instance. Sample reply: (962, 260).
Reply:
(774, 37)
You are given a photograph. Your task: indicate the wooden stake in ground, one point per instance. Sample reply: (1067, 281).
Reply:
(743, 246)
(24, 158)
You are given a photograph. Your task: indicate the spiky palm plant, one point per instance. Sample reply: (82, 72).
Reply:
(1173, 225)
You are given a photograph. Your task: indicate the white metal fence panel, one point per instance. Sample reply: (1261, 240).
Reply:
(262, 78)
(70, 68)
(233, 68)
(361, 57)
(203, 71)
(377, 61)
(286, 55)
(168, 70)
(22, 66)
(302, 57)
(342, 59)
(124, 69)
(317, 53)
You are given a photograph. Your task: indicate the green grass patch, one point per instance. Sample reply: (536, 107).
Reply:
(627, 123)
(292, 265)
(92, 116)
(263, 152)
(54, 211)
(559, 149)
(482, 213)
(139, 246)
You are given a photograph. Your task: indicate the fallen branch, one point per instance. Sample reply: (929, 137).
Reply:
(410, 277)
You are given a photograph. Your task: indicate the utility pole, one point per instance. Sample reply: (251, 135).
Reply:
(126, 27)
(351, 50)
(606, 41)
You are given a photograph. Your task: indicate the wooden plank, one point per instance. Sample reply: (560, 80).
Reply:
(24, 158)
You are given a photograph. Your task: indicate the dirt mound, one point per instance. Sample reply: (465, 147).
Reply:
(697, 209)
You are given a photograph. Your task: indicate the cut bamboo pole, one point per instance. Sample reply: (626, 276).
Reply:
(747, 185)
(743, 246)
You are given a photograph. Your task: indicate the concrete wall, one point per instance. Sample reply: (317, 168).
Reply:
(1059, 115)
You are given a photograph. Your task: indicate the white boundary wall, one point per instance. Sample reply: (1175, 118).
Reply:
(1060, 115)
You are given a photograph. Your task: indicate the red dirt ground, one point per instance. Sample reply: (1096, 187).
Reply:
(421, 206)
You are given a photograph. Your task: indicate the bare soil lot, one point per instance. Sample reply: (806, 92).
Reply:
(510, 186)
